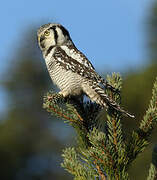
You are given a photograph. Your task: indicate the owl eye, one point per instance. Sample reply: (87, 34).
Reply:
(47, 33)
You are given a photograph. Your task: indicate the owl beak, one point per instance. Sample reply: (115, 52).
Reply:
(41, 38)
(38, 39)
(41, 41)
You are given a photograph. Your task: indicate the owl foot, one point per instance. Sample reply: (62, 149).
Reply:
(55, 97)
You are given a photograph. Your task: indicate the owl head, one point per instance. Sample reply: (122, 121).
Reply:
(51, 35)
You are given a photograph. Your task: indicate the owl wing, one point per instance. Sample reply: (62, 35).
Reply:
(75, 61)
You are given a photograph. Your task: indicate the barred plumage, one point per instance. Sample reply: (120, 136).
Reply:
(70, 70)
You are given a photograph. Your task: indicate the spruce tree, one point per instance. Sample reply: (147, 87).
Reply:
(102, 151)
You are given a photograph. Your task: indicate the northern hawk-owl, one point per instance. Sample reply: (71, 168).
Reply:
(69, 68)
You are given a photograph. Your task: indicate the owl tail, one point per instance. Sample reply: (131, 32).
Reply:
(97, 94)
(112, 105)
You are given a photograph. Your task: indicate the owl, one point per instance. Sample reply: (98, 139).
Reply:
(70, 70)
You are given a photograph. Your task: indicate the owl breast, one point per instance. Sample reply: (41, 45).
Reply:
(65, 80)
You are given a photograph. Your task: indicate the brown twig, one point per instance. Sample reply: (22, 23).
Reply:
(103, 177)
(61, 114)
(114, 132)
(112, 163)
(80, 118)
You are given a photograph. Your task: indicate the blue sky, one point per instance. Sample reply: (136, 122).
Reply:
(110, 33)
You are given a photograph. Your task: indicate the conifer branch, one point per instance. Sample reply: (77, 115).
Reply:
(152, 173)
(153, 166)
(102, 155)
(150, 118)
(103, 177)
(140, 138)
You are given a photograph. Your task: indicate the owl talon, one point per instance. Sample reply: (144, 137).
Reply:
(49, 98)
(55, 97)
